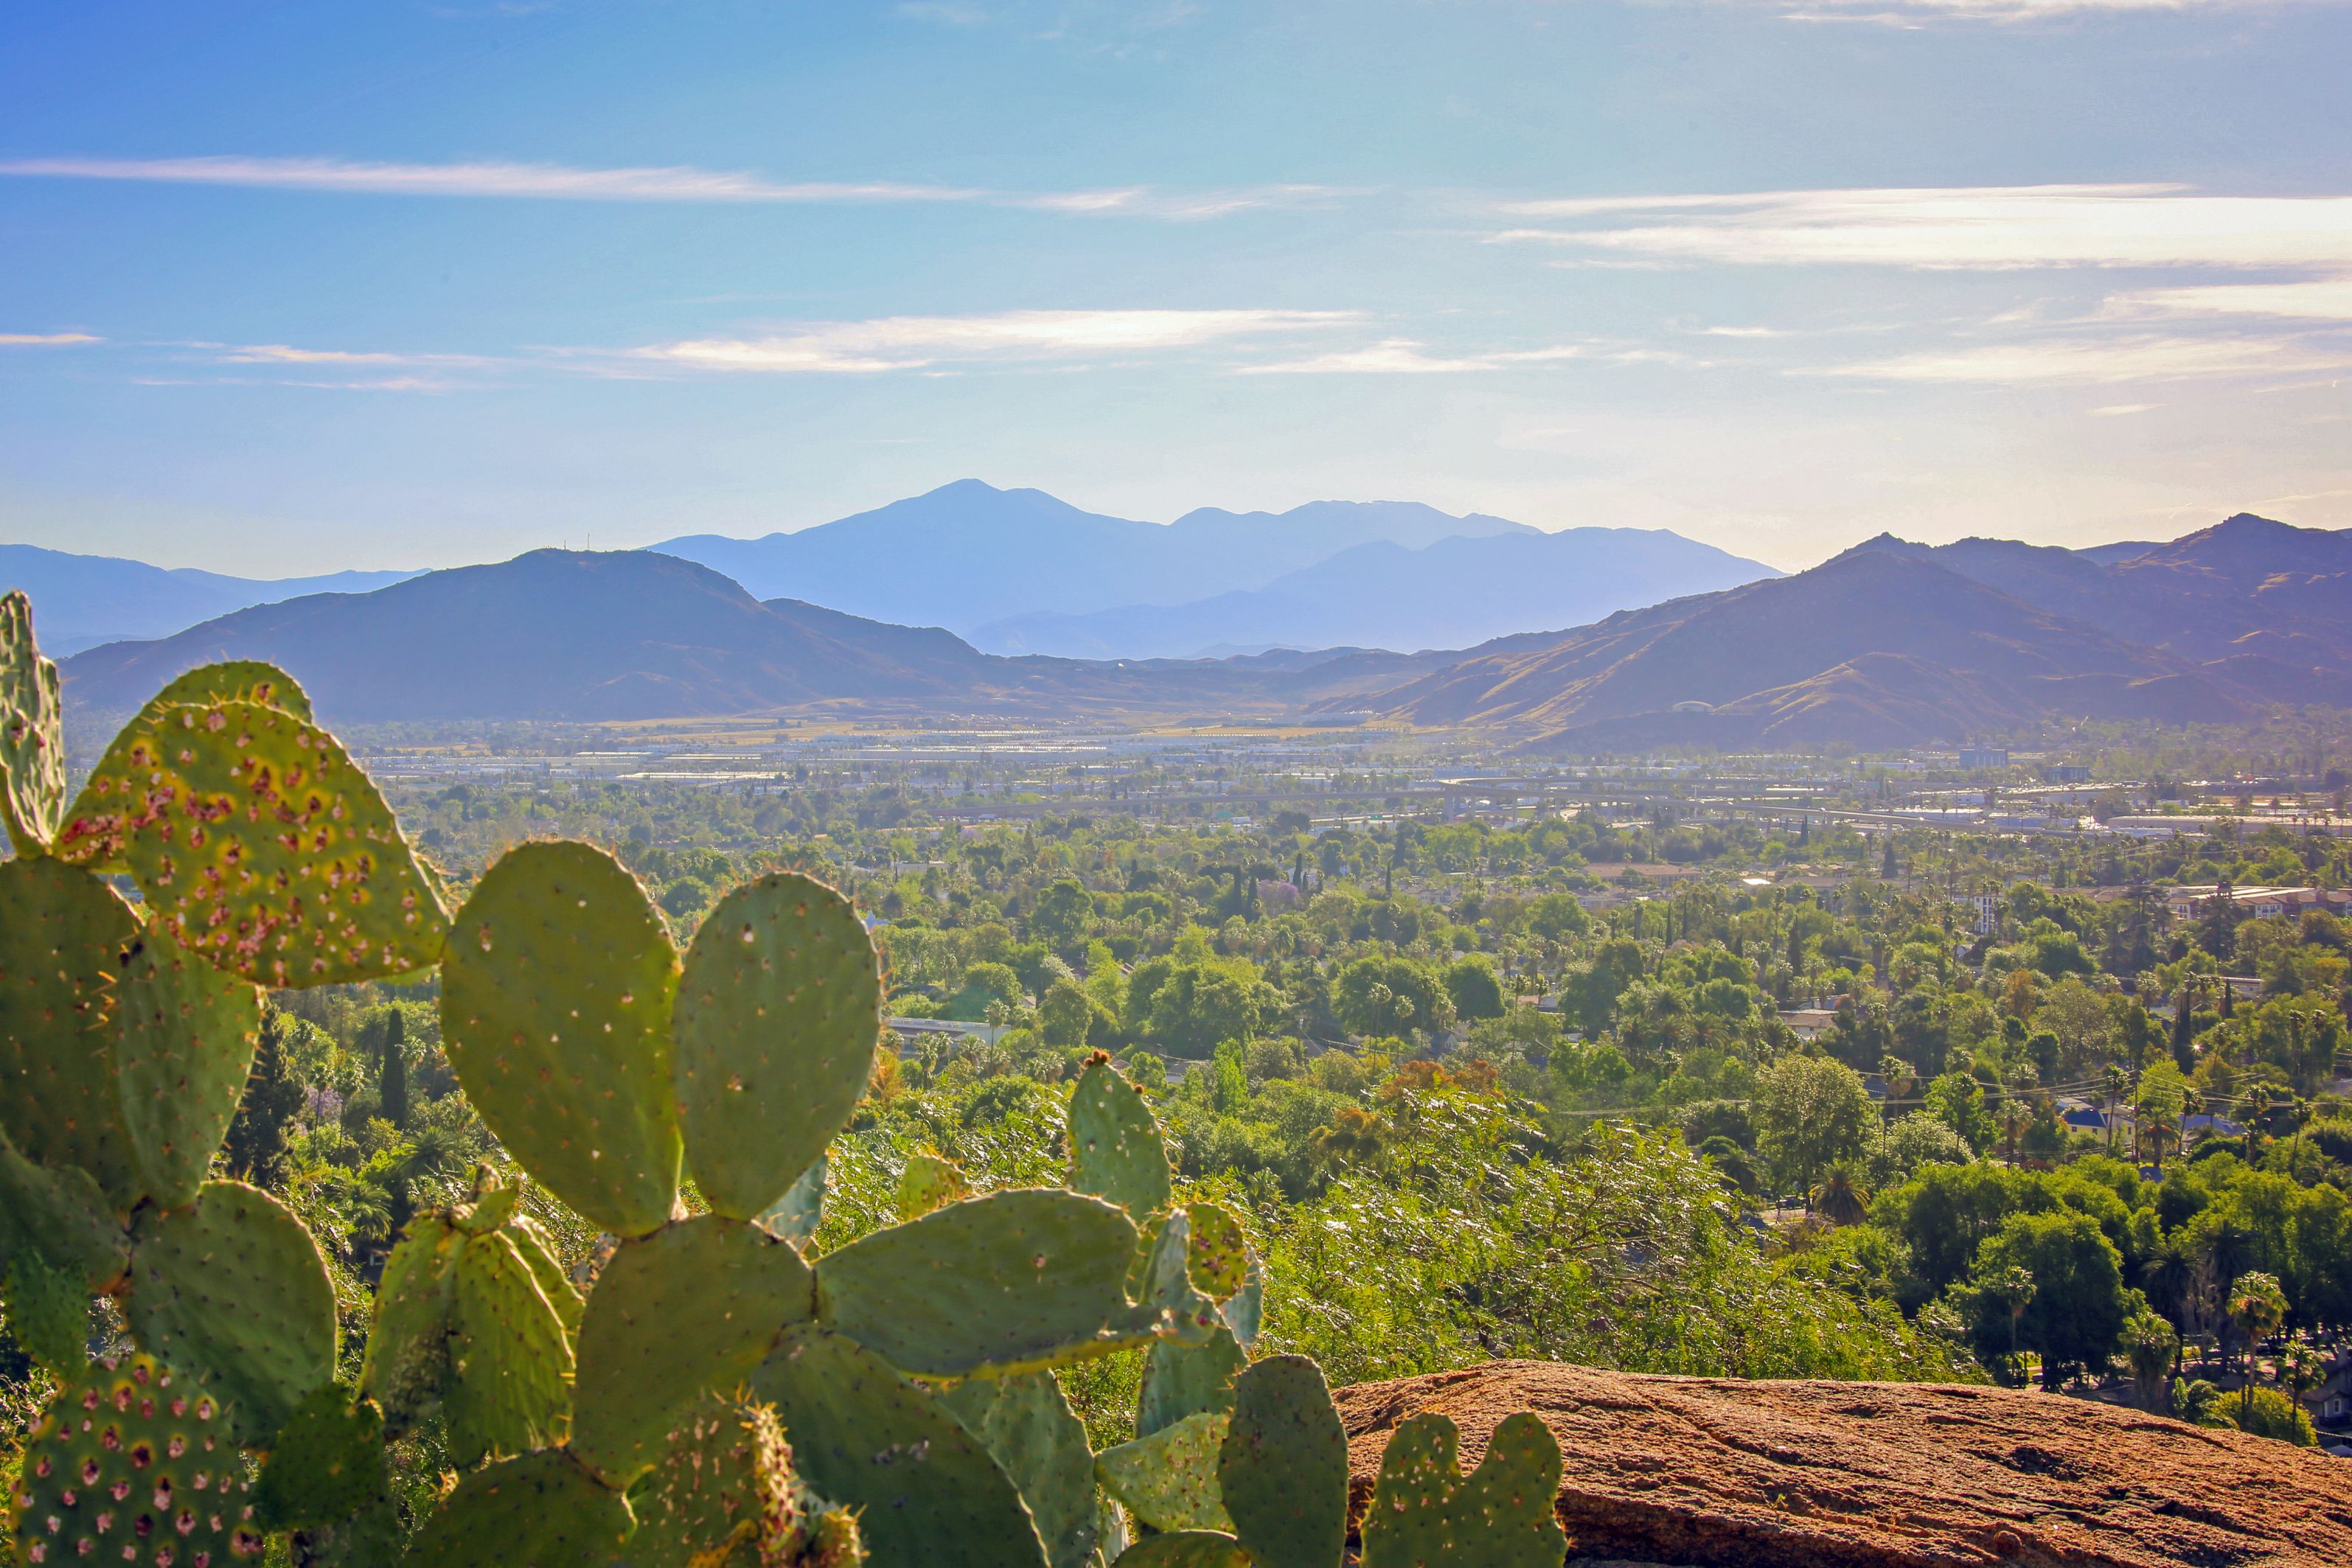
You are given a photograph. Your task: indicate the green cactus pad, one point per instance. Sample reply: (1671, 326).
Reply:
(1244, 1309)
(1283, 1470)
(510, 1361)
(1008, 1283)
(1186, 1549)
(692, 1308)
(408, 1357)
(184, 1042)
(1219, 1252)
(494, 1204)
(62, 931)
(930, 1495)
(326, 1464)
(1037, 1440)
(32, 732)
(133, 1463)
(1424, 1511)
(233, 1291)
(1116, 1150)
(1181, 1313)
(555, 1011)
(778, 1012)
(703, 1503)
(258, 845)
(60, 1214)
(371, 1538)
(1169, 1480)
(929, 1181)
(1181, 1380)
(538, 1511)
(794, 1217)
(48, 1312)
(235, 680)
(561, 1294)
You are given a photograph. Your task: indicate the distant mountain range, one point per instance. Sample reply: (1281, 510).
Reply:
(1892, 642)
(85, 599)
(968, 555)
(634, 634)
(1448, 594)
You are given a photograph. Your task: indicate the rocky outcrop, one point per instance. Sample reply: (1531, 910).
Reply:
(1719, 1473)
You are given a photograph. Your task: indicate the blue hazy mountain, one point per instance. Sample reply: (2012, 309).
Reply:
(968, 555)
(1452, 593)
(81, 600)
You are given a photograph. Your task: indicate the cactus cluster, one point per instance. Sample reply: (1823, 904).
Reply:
(717, 1396)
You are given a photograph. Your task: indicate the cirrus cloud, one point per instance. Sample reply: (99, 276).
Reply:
(914, 342)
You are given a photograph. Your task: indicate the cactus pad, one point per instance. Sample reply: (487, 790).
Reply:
(1186, 1549)
(235, 680)
(326, 1463)
(778, 1012)
(794, 1217)
(232, 1291)
(555, 1011)
(62, 932)
(258, 845)
(1283, 1470)
(1037, 1440)
(60, 1214)
(133, 1463)
(692, 1308)
(408, 1357)
(930, 1494)
(929, 1181)
(725, 1495)
(540, 1511)
(32, 732)
(184, 1042)
(1116, 1150)
(48, 1312)
(1181, 1380)
(1218, 1254)
(1010, 1282)
(554, 1282)
(1169, 1480)
(512, 1361)
(1424, 1511)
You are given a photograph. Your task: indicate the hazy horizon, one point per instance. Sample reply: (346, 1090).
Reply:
(292, 292)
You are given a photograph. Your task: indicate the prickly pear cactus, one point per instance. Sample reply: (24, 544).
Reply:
(930, 1181)
(407, 1358)
(62, 932)
(1028, 1427)
(235, 680)
(794, 1217)
(538, 1510)
(184, 1038)
(1169, 1480)
(1283, 1468)
(779, 1010)
(725, 1495)
(133, 1463)
(1187, 1549)
(1426, 1511)
(1116, 1150)
(696, 1306)
(258, 844)
(60, 1216)
(232, 1289)
(326, 1464)
(48, 1312)
(32, 732)
(555, 1010)
(511, 1359)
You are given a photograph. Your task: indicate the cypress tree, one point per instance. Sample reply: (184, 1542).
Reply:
(392, 1071)
(2184, 1033)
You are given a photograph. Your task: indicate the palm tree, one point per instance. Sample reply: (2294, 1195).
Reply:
(2151, 1343)
(2257, 1307)
(1838, 1201)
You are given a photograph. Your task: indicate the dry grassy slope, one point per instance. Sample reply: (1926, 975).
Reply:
(1725, 1474)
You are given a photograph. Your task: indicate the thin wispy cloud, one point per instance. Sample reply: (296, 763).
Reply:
(1912, 13)
(1407, 357)
(44, 339)
(1960, 228)
(2310, 300)
(916, 342)
(680, 184)
(286, 354)
(2094, 361)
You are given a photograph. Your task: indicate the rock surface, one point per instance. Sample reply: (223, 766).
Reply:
(1719, 1473)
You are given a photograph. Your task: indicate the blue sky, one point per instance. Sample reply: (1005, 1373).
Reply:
(290, 288)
